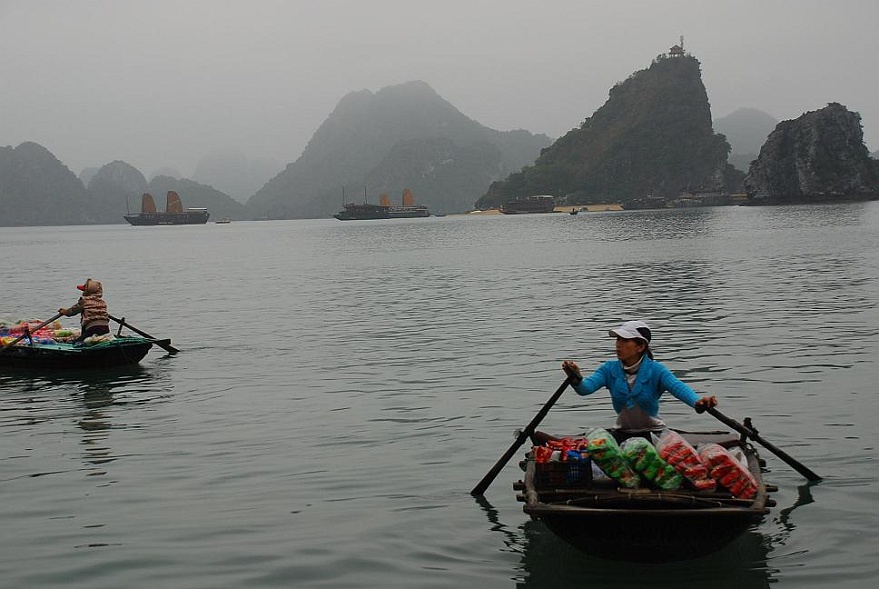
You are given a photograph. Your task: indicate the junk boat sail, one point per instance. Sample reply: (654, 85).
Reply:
(174, 213)
(385, 210)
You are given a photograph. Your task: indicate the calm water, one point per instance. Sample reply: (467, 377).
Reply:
(342, 386)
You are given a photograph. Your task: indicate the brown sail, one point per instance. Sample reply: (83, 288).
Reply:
(408, 199)
(174, 204)
(147, 204)
(384, 200)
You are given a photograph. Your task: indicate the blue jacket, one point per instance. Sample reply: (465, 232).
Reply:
(652, 380)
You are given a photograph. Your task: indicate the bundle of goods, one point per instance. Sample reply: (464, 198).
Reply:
(607, 454)
(728, 471)
(563, 462)
(645, 459)
(44, 335)
(678, 452)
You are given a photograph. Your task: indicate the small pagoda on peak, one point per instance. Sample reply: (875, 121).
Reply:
(677, 50)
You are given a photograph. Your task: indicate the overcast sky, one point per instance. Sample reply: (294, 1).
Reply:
(162, 83)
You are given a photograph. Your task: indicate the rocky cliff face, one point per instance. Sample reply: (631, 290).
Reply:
(652, 136)
(818, 157)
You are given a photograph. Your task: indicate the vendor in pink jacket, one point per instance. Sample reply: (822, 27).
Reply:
(635, 380)
(95, 319)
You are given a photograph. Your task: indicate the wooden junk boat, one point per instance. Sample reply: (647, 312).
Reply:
(365, 211)
(601, 518)
(174, 213)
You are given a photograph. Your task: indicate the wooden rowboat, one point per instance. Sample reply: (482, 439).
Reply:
(119, 351)
(602, 519)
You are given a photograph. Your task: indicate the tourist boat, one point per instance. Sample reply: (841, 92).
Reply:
(385, 210)
(541, 203)
(174, 213)
(601, 518)
(52, 355)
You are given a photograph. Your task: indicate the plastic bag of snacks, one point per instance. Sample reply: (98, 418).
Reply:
(609, 457)
(644, 458)
(729, 472)
(678, 452)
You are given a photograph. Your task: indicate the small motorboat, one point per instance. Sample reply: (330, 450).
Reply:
(602, 518)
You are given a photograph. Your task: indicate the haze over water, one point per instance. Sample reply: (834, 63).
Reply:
(342, 386)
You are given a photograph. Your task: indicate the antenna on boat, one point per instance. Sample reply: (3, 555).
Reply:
(127, 208)
(365, 200)
(343, 196)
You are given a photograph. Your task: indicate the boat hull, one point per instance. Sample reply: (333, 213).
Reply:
(164, 218)
(409, 212)
(62, 356)
(644, 525)
(365, 212)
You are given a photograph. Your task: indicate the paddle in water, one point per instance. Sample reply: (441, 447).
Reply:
(165, 344)
(479, 489)
(750, 432)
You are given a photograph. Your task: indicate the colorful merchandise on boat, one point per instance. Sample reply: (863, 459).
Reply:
(675, 450)
(728, 471)
(645, 460)
(609, 457)
(611, 518)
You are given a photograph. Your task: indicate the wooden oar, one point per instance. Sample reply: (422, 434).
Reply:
(479, 489)
(165, 344)
(28, 332)
(750, 432)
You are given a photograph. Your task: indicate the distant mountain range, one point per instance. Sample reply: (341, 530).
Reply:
(746, 129)
(37, 189)
(654, 136)
(403, 136)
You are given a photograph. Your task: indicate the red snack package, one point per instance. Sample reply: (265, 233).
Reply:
(678, 452)
(729, 472)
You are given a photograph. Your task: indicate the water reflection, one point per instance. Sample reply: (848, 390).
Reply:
(654, 224)
(35, 404)
(547, 561)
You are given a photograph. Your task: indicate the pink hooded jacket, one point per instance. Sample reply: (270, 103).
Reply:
(91, 305)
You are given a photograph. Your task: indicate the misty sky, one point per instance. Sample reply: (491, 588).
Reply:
(162, 83)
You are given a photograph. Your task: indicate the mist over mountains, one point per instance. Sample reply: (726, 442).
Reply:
(746, 129)
(654, 135)
(403, 136)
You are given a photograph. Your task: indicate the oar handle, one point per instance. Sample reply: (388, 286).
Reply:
(29, 331)
(480, 488)
(751, 433)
